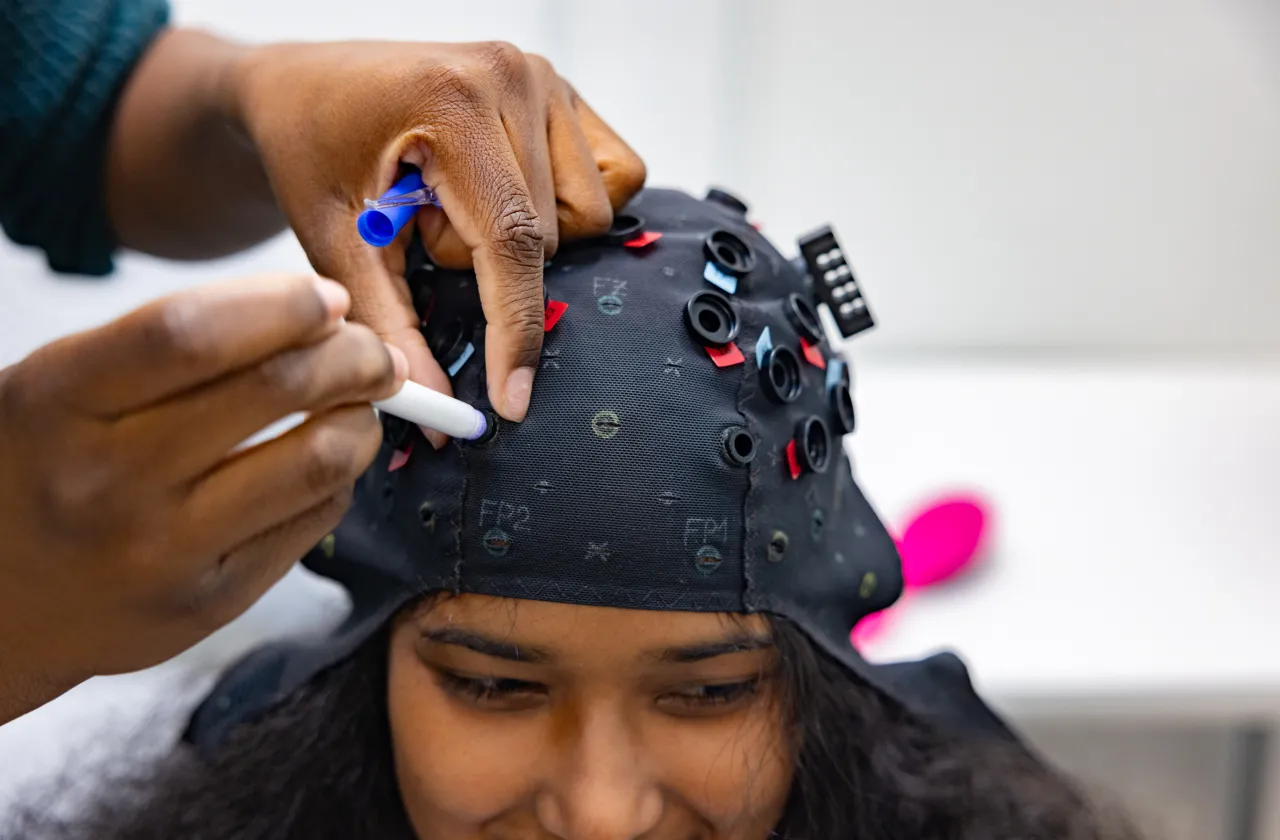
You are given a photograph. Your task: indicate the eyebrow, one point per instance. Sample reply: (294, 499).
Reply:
(682, 654)
(487, 646)
(739, 643)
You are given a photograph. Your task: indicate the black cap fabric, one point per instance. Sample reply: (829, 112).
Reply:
(657, 468)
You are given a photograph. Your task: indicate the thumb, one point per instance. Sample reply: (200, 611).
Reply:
(423, 368)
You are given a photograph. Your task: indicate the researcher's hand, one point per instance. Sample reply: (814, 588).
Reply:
(519, 161)
(129, 530)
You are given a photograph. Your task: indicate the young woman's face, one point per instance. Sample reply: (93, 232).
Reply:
(523, 720)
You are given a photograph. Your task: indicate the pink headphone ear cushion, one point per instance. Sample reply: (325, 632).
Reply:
(869, 628)
(942, 541)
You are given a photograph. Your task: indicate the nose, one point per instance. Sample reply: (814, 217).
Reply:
(601, 789)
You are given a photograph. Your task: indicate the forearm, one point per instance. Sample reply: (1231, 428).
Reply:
(184, 180)
(28, 677)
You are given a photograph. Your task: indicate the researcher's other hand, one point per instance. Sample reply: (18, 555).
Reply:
(131, 524)
(519, 161)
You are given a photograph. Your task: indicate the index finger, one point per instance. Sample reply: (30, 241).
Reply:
(621, 169)
(484, 193)
(185, 340)
(380, 299)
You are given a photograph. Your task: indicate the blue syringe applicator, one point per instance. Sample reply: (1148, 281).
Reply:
(384, 217)
(379, 224)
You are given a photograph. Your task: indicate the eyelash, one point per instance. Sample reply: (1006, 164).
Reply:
(722, 694)
(488, 690)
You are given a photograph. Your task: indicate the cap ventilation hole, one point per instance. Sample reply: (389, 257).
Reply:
(711, 319)
(780, 372)
(624, 227)
(814, 444)
(707, 559)
(778, 546)
(804, 318)
(842, 402)
(491, 423)
(727, 199)
(451, 342)
(730, 252)
(739, 446)
(427, 516)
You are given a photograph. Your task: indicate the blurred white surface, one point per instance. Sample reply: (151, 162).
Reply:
(1097, 180)
(1133, 569)
(1098, 177)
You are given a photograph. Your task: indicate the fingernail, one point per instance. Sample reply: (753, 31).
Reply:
(436, 439)
(400, 360)
(335, 296)
(515, 397)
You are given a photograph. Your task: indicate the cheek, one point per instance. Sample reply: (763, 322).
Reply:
(455, 767)
(736, 774)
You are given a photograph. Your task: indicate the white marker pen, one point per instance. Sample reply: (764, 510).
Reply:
(432, 409)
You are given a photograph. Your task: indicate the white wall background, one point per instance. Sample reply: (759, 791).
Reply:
(1097, 178)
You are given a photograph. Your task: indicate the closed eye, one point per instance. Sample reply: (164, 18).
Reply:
(707, 699)
(494, 693)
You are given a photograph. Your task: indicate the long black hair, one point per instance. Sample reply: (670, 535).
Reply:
(320, 766)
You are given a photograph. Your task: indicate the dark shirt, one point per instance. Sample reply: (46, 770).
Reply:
(63, 65)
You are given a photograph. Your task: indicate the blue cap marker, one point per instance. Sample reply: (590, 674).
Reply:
(385, 217)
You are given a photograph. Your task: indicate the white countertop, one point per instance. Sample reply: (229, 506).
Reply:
(1133, 567)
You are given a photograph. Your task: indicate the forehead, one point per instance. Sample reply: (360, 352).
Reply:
(570, 627)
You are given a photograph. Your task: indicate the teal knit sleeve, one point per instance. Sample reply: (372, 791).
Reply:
(63, 64)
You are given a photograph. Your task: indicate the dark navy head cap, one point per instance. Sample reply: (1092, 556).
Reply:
(682, 451)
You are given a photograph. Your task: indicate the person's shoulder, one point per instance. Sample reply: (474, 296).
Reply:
(940, 690)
